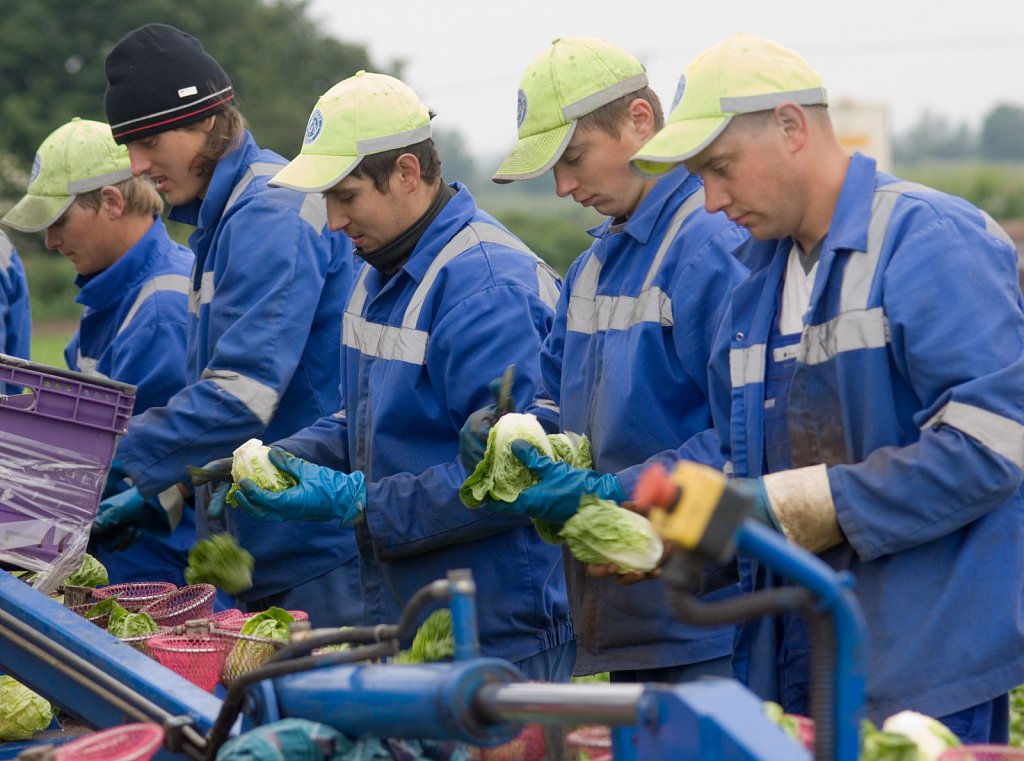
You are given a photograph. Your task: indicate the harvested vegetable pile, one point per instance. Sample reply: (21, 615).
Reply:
(221, 562)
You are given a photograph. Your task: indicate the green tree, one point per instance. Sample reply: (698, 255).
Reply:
(52, 55)
(1002, 133)
(933, 137)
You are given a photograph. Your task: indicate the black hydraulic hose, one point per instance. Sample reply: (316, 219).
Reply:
(232, 706)
(355, 635)
(681, 574)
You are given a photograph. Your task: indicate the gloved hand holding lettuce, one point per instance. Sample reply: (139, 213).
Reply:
(549, 479)
(273, 485)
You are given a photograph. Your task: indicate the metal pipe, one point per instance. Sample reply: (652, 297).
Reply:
(613, 704)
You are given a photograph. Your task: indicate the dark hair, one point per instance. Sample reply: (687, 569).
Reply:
(610, 117)
(379, 166)
(223, 137)
(140, 197)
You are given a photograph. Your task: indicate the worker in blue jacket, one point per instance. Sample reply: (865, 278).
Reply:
(266, 297)
(133, 285)
(446, 300)
(626, 360)
(868, 384)
(15, 315)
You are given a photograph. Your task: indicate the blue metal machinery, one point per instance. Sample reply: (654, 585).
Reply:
(104, 682)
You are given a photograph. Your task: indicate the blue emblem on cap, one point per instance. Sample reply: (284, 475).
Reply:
(314, 126)
(37, 166)
(520, 108)
(679, 92)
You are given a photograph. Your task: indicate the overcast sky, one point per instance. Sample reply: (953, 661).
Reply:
(465, 59)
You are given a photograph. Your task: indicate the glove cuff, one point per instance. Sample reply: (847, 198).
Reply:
(802, 502)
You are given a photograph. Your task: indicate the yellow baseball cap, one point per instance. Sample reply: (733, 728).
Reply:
(366, 113)
(574, 76)
(740, 75)
(76, 158)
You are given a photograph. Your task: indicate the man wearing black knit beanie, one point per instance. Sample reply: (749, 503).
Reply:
(267, 295)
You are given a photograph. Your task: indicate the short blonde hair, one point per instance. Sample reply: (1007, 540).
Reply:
(140, 197)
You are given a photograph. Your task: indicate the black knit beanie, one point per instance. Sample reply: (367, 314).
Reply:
(159, 78)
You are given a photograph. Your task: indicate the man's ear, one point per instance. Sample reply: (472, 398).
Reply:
(792, 121)
(112, 202)
(641, 116)
(407, 171)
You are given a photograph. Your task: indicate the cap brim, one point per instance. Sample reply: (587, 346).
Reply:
(33, 214)
(312, 173)
(534, 155)
(675, 143)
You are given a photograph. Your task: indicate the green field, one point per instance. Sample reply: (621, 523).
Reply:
(49, 340)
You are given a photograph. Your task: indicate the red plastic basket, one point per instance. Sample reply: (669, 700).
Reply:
(135, 595)
(237, 622)
(130, 742)
(197, 657)
(592, 742)
(983, 753)
(195, 601)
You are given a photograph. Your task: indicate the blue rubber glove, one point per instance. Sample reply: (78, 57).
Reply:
(321, 494)
(117, 480)
(557, 497)
(215, 509)
(761, 505)
(121, 520)
(473, 435)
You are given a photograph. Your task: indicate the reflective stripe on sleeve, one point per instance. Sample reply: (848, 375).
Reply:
(996, 432)
(6, 251)
(167, 283)
(204, 295)
(87, 366)
(259, 398)
(548, 404)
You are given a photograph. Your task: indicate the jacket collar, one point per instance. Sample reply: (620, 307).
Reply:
(110, 286)
(205, 213)
(640, 226)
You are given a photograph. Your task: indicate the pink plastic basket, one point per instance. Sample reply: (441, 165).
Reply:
(983, 753)
(237, 622)
(592, 742)
(135, 595)
(129, 742)
(195, 601)
(197, 657)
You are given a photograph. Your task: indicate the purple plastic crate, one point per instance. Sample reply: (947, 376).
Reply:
(56, 445)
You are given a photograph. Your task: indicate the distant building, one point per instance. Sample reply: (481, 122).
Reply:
(863, 126)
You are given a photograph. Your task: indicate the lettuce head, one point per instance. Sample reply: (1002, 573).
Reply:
(252, 461)
(220, 561)
(602, 532)
(500, 475)
(91, 573)
(22, 712)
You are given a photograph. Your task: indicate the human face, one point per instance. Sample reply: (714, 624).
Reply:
(167, 160)
(594, 170)
(84, 236)
(369, 218)
(748, 175)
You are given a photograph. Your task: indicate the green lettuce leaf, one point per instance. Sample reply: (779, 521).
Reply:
(22, 712)
(434, 640)
(221, 562)
(602, 532)
(272, 623)
(500, 475)
(123, 624)
(90, 573)
(252, 461)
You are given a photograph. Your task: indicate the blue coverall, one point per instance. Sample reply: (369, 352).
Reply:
(15, 316)
(266, 296)
(133, 329)
(907, 385)
(626, 364)
(420, 350)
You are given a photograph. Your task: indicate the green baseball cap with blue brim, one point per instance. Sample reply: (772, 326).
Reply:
(364, 114)
(743, 74)
(77, 158)
(572, 78)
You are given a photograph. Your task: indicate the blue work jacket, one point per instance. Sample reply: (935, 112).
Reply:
(266, 295)
(420, 350)
(908, 386)
(133, 329)
(15, 316)
(626, 364)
